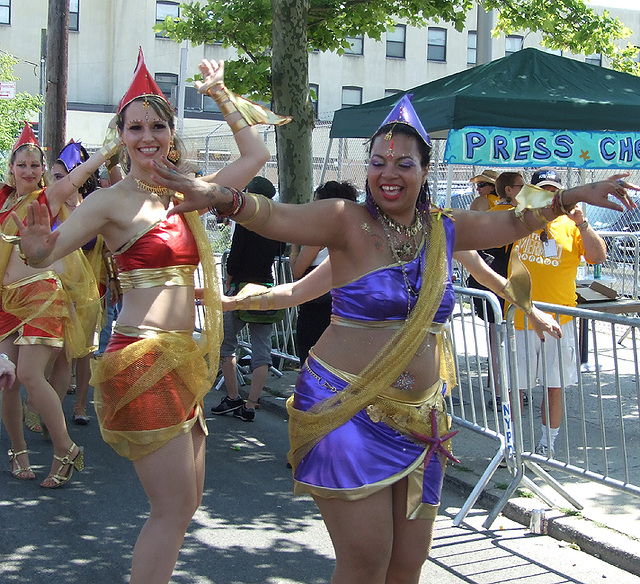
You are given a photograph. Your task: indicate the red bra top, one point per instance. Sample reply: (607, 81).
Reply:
(7, 191)
(166, 243)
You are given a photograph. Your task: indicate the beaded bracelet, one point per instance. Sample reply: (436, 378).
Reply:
(237, 204)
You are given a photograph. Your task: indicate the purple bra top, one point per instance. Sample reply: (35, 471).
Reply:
(382, 295)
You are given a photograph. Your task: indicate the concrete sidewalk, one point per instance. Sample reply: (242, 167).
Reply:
(608, 527)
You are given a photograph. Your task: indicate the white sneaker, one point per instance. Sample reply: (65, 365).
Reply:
(545, 451)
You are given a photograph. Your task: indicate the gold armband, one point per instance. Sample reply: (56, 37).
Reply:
(517, 290)
(258, 202)
(110, 149)
(250, 298)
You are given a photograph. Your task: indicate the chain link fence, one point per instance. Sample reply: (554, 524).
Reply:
(345, 159)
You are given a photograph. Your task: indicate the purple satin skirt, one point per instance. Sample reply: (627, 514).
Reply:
(361, 457)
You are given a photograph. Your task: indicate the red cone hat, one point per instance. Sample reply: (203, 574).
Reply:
(27, 137)
(142, 84)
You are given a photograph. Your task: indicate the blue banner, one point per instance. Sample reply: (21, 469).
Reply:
(487, 146)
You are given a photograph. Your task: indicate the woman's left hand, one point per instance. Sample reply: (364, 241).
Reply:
(37, 241)
(197, 192)
(598, 193)
(213, 74)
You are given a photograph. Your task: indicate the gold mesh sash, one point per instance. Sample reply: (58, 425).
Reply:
(306, 428)
(33, 300)
(145, 392)
(79, 281)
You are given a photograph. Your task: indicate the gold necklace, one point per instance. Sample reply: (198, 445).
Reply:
(403, 252)
(408, 231)
(155, 189)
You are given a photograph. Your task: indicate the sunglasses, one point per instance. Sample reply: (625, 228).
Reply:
(484, 184)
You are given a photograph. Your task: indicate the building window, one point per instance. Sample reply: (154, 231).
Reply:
(388, 92)
(472, 47)
(351, 96)
(314, 90)
(595, 59)
(74, 15)
(5, 11)
(357, 45)
(166, 82)
(396, 41)
(165, 8)
(437, 44)
(513, 44)
(557, 52)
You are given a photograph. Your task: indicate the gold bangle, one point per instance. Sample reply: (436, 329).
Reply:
(271, 300)
(255, 302)
(109, 150)
(258, 201)
(238, 125)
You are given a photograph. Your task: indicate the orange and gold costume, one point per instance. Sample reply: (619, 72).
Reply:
(45, 308)
(150, 383)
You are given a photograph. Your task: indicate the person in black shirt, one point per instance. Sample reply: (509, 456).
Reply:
(250, 261)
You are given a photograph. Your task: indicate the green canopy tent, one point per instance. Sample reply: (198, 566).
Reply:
(528, 89)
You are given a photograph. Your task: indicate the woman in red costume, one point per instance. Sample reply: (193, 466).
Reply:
(150, 382)
(36, 314)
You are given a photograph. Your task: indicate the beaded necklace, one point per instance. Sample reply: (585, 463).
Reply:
(404, 251)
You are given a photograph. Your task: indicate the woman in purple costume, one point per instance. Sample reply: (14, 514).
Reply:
(368, 427)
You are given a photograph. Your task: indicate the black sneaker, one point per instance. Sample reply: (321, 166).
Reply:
(227, 405)
(245, 414)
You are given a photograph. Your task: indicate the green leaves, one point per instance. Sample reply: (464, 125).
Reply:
(13, 112)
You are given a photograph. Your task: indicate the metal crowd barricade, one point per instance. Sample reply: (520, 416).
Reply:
(283, 338)
(473, 404)
(600, 413)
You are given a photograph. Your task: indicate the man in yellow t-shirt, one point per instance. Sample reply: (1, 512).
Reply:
(552, 257)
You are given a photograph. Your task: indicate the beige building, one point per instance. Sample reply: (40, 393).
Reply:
(105, 35)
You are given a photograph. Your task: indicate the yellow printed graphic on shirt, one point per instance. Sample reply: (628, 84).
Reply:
(553, 267)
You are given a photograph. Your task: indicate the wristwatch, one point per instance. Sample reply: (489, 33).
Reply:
(583, 225)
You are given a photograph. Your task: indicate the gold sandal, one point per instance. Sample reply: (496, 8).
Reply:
(76, 463)
(31, 419)
(21, 473)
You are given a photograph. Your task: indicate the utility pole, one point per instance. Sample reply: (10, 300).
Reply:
(55, 99)
(484, 27)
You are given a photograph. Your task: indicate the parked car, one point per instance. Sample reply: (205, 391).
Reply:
(619, 248)
(462, 193)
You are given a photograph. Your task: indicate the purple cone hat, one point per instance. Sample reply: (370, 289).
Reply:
(403, 113)
(71, 155)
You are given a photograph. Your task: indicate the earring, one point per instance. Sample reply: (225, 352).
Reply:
(424, 199)
(369, 203)
(173, 155)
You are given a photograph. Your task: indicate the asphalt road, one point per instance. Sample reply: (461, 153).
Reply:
(249, 528)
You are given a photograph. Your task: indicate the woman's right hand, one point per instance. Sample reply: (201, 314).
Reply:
(37, 241)
(213, 74)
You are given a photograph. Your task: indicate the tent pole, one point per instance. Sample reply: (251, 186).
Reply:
(449, 181)
(326, 160)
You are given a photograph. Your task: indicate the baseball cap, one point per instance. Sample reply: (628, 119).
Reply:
(546, 176)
